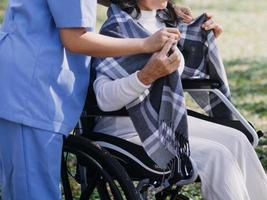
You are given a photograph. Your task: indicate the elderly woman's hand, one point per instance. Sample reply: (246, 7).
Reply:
(211, 25)
(160, 64)
(185, 13)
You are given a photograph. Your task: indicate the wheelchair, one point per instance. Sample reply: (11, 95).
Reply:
(113, 168)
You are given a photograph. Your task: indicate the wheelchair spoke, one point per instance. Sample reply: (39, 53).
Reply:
(99, 179)
(89, 172)
(65, 180)
(103, 191)
(174, 194)
(108, 189)
(92, 180)
(161, 196)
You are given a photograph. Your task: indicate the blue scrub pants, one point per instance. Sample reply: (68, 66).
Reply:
(30, 160)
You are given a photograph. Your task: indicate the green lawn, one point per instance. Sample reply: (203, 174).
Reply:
(2, 6)
(244, 50)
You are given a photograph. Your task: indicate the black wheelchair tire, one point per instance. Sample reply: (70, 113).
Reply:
(88, 153)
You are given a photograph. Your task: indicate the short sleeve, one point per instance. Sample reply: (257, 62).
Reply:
(73, 13)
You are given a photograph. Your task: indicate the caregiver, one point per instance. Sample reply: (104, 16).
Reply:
(43, 86)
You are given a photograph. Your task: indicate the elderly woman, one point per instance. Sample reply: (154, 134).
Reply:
(227, 164)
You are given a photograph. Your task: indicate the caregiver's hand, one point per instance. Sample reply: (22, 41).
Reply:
(185, 13)
(210, 24)
(160, 64)
(156, 41)
(78, 40)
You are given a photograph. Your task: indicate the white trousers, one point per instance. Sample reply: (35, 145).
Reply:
(227, 163)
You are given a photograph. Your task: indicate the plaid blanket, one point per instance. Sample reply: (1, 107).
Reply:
(202, 61)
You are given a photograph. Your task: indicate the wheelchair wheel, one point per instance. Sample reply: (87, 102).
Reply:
(89, 172)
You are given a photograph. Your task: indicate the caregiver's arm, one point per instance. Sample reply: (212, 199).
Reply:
(77, 40)
(113, 95)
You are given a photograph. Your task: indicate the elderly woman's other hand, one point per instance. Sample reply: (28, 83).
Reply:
(160, 64)
(210, 24)
(185, 13)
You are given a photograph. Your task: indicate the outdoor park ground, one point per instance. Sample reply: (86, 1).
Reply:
(243, 47)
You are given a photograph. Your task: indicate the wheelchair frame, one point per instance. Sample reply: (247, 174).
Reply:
(150, 182)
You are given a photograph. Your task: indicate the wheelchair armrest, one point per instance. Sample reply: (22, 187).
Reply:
(94, 111)
(200, 84)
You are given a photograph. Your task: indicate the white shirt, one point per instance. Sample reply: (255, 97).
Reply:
(149, 21)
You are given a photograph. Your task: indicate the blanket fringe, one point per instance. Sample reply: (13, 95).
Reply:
(180, 166)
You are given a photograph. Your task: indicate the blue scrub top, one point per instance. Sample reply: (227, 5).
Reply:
(42, 85)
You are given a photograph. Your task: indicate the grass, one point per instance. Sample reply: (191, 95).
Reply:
(243, 47)
(3, 4)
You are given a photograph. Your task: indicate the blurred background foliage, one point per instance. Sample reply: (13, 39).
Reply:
(243, 48)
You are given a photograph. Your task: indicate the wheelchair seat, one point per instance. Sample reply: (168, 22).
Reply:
(134, 159)
(132, 156)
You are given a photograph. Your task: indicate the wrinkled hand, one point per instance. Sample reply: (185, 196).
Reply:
(185, 13)
(156, 41)
(160, 64)
(210, 24)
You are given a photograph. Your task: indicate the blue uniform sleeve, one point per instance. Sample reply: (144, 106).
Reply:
(73, 13)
